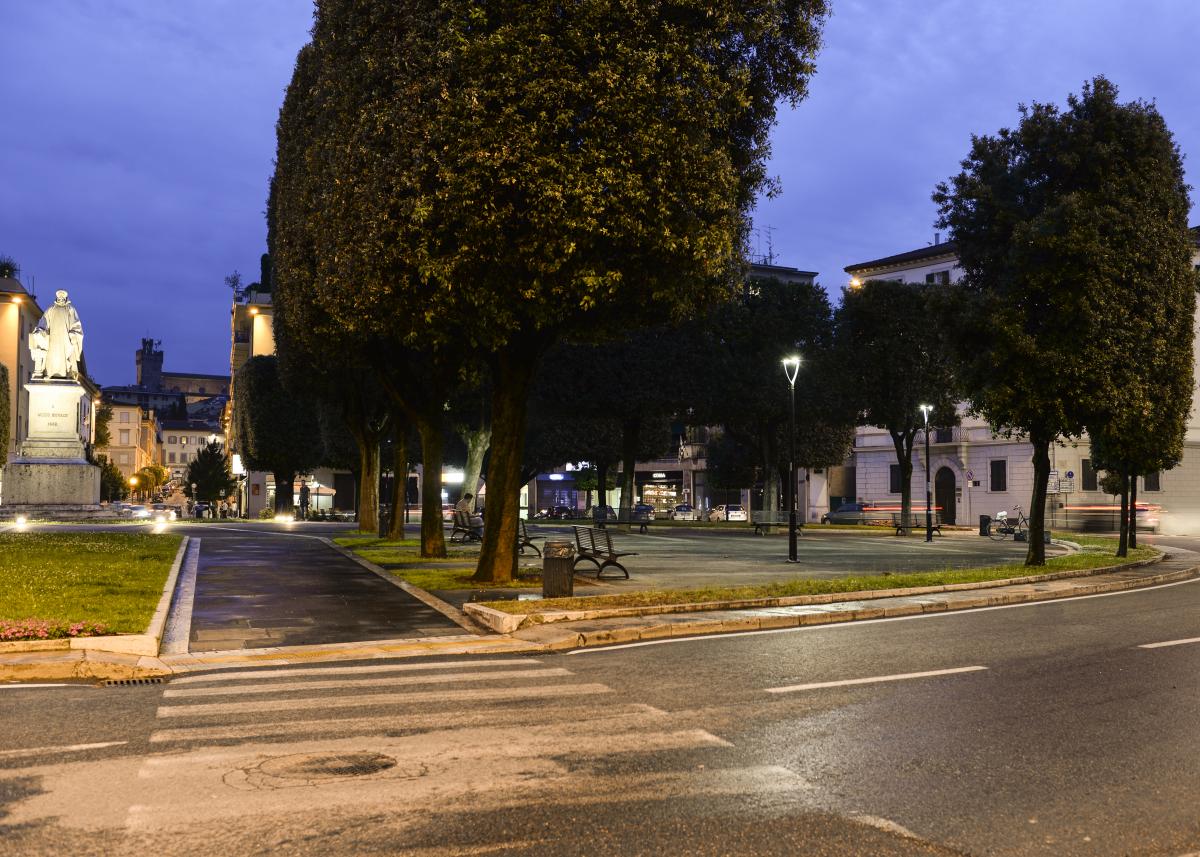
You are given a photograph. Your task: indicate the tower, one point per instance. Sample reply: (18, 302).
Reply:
(149, 364)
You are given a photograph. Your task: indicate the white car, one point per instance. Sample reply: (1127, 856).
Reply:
(727, 513)
(138, 512)
(683, 512)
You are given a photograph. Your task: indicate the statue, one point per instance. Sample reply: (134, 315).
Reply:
(57, 342)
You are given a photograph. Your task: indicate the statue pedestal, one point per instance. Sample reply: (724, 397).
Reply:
(51, 468)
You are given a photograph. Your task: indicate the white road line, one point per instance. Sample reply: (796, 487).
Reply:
(376, 699)
(69, 748)
(379, 668)
(836, 626)
(817, 685)
(20, 686)
(1170, 643)
(388, 681)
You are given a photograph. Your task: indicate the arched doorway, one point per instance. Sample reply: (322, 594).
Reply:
(943, 494)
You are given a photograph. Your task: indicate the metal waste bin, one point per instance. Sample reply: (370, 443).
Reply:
(558, 569)
(985, 525)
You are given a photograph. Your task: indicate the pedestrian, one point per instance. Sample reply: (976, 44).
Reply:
(303, 500)
(466, 506)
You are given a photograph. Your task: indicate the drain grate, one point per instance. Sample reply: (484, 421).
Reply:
(321, 766)
(131, 682)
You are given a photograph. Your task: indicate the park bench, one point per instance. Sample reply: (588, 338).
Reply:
(762, 520)
(916, 521)
(595, 545)
(523, 540)
(641, 520)
(465, 531)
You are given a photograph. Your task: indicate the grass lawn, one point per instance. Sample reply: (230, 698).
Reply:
(403, 559)
(108, 577)
(1098, 552)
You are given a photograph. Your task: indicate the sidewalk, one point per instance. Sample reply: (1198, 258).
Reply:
(1177, 566)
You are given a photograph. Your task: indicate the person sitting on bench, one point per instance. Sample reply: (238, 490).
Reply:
(467, 504)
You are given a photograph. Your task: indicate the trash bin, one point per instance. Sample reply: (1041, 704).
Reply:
(558, 569)
(985, 525)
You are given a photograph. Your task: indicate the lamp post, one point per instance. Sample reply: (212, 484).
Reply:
(791, 368)
(133, 483)
(925, 409)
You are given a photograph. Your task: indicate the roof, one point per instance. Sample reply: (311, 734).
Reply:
(190, 425)
(12, 286)
(167, 374)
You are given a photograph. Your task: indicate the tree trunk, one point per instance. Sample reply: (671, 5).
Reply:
(399, 480)
(284, 495)
(1132, 511)
(513, 373)
(903, 443)
(368, 482)
(433, 535)
(601, 483)
(1123, 543)
(1036, 554)
(630, 434)
(477, 441)
(766, 437)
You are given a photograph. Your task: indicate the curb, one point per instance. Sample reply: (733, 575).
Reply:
(145, 644)
(506, 623)
(684, 627)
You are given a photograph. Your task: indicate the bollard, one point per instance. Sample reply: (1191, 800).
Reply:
(985, 525)
(558, 569)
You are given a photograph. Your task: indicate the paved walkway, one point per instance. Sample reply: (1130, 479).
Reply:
(259, 589)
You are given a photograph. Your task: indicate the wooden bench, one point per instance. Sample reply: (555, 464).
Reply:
(523, 540)
(465, 531)
(916, 520)
(762, 520)
(595, 545)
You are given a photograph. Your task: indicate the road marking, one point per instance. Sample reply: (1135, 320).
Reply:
(378, 668)
(378, 699)
(69, 748)
(488, 717)
(871, 680)
(19, 686)
(1170, 643)
(860, 622)
(390, 681)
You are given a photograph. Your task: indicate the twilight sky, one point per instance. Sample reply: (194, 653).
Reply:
(139, 136)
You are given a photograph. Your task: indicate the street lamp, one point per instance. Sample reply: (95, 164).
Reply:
(925, 409)
(791, 368)
(133, 482)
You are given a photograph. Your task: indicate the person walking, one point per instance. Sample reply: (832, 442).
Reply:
(304, 492)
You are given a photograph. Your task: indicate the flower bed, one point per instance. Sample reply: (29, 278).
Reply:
(48, 629)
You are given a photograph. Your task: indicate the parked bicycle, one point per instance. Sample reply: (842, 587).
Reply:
(1004, 526)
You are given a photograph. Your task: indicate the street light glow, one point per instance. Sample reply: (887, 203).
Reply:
(925, 409)
(791, 367)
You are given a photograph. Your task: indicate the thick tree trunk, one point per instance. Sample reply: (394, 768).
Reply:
(631, 430)
(1123, 543)
(1132, 511)
(477, 441)
(399, 497)
(1036, 554)
(513, 373)
(284, 496)
(368, 482)
(601, 483)
(766, 439)
(433, 535)
(903, 444)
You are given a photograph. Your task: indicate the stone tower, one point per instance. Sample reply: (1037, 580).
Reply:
(149, 365)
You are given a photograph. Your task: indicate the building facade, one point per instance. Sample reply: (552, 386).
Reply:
(182, 440)
(977, 472)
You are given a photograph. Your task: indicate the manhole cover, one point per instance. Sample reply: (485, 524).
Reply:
(314, 769)
(324, 766)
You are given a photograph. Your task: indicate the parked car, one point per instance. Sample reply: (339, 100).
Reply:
(138, 512)
(865, 513)
(557, 513)
(605, 513)
(643, 512)
(683, 512)
(727, 513)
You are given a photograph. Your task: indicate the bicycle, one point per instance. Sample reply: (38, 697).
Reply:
(1003, 526)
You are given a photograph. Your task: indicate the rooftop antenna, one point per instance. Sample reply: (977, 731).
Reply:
(770, 257)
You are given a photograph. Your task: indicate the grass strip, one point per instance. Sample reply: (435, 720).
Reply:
(115, 579)
(1101, 552)
(402, 558)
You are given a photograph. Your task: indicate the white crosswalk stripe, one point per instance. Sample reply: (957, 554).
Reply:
(361, 683)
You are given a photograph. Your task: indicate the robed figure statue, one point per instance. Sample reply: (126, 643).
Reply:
(57, 342)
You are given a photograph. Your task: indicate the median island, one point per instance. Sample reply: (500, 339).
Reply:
(55, 585)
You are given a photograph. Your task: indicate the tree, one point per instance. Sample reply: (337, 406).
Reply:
(150, 478)
(892, 357)
(103, 418)
(277, 430)
(1060, 224)
(113, 486)
(211, 474)
(505, 173)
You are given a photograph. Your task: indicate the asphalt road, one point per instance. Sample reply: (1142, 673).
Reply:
(1044, 729)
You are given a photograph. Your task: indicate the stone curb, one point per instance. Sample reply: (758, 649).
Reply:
(506, 623)
(567, 639)
(146, 644)
(445, 608)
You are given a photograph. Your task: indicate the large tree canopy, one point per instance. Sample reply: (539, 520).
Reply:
(1061, 224)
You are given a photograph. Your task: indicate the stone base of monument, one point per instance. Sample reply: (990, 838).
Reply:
(50, 471)
(57, 512)
(51, 483)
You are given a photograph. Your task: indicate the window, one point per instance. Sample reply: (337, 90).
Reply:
(171, 457)
(943, 435)
(124, 416)
(938, 278)
(124, 457)
(894, 479)
(183, 441)
(1087, 476)
(172, 439)
(1153, 481)
(999, 474)
(124, 437)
